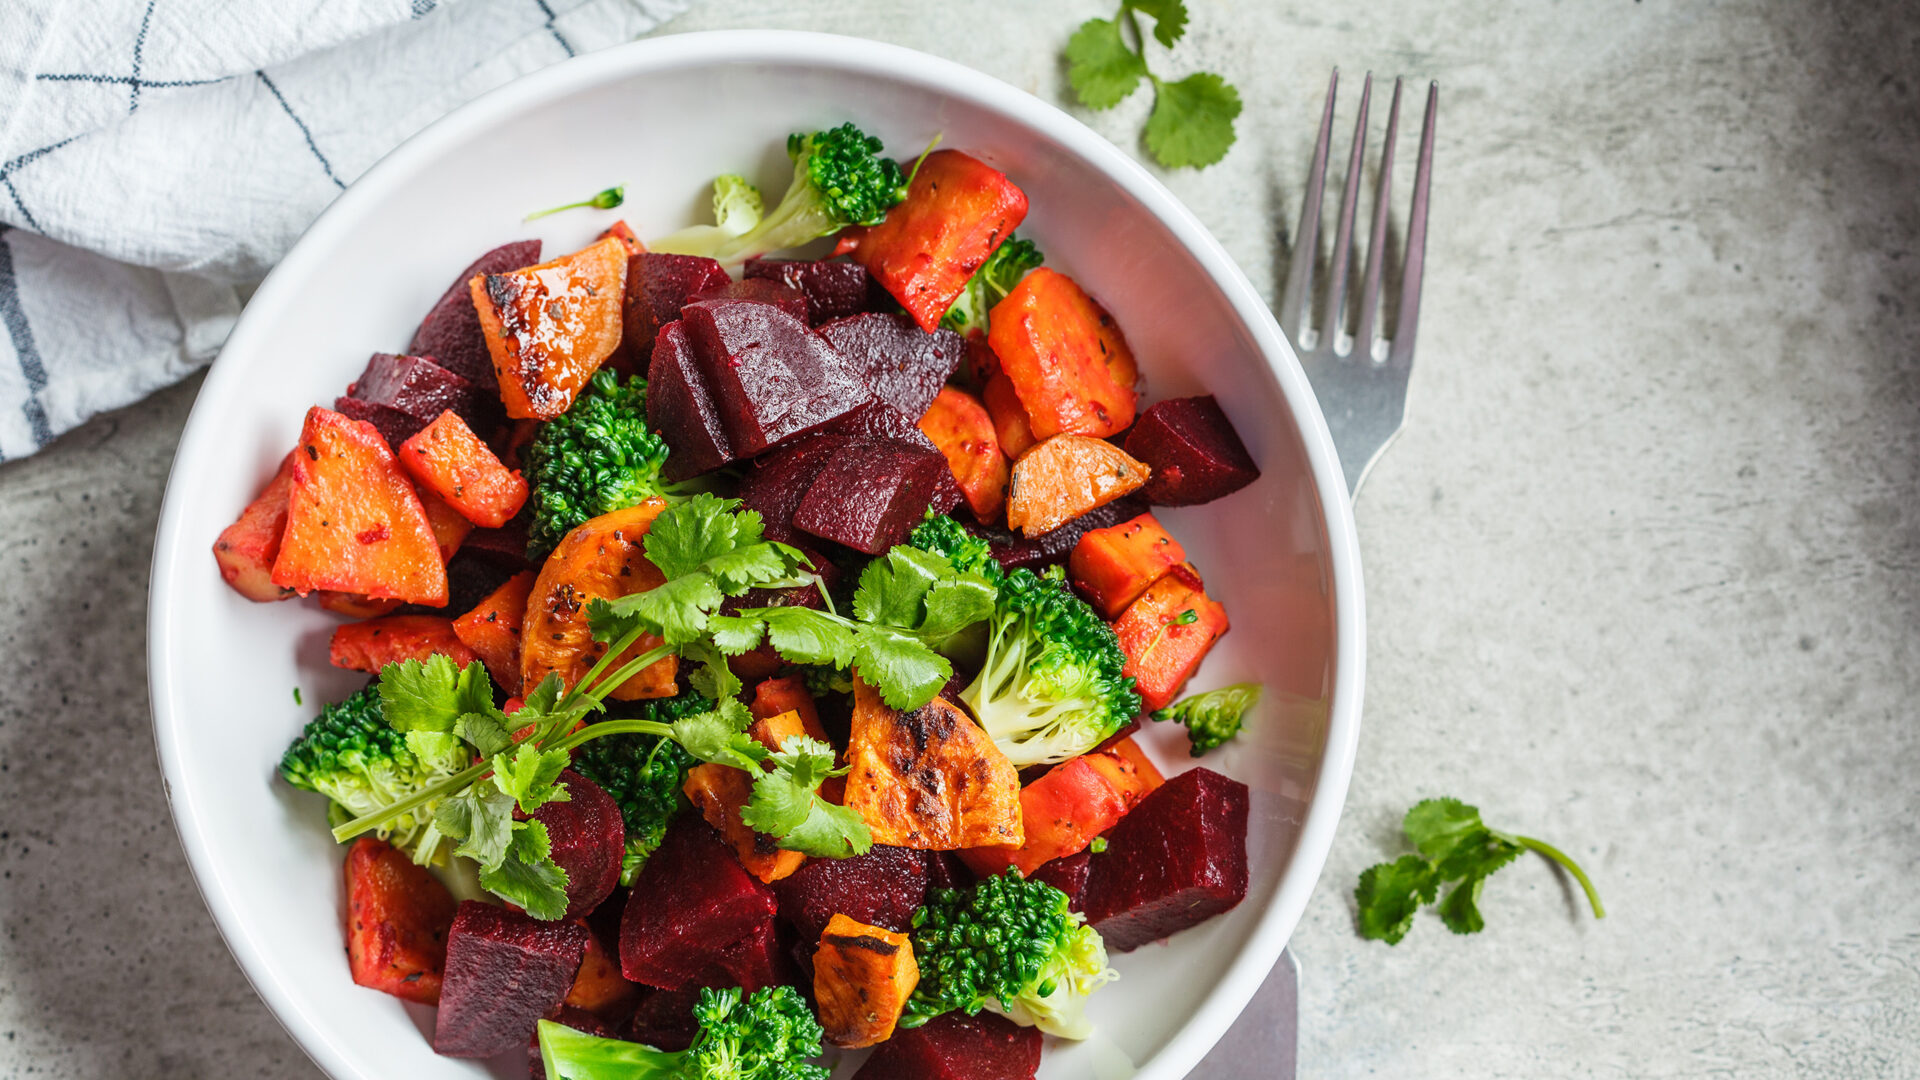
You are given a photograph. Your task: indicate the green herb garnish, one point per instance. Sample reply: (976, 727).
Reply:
(1192, 119)
(605, 200)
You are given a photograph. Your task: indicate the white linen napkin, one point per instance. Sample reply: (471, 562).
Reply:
(158, 156)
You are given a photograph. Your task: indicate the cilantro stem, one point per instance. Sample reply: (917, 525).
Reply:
(434, 793)
(604, 200)
(1566, 861)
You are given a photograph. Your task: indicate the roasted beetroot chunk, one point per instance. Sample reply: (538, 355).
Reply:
(957, 1047)
(588, 837)
(665, 1020)
(880, 422)
(451, 331)
(884, 888)
(833, 290)
(657, 288)
(1178, 859)
(393, 425)
(1051, 548)
(760, 291)
(779, 481)
(691, 902)
(505, 970)
(946, 871)
(902, 364)
(423, 389)
(871, 495)
(758, 960)
(681, 408)
(1069, 875)
(1194, 453)
(772, 378)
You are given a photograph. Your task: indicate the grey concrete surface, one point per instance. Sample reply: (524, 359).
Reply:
(1641, 573)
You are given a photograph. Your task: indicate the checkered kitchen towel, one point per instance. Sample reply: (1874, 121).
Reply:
(158, 156)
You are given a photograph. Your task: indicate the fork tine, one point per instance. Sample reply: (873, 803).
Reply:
(1306, 239)
(1333, 321)
(1377, 236)
(1409, 319)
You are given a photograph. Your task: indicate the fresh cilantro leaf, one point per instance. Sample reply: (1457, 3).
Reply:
(733, 634)
(1192, 120)
(806, 636)
(430, 696)
(1100, 66)
(486, 731)
(690, 533)
(786, 804)
(1461, 909)
(439, 750)
(528, 776)
(893, 586)
(1389, 894)
(540, 701)
(907, 672)
(718, 735)
(1169, 18)
(711, 676)
(760, 563)
(954, 605)
(1437, 826)
(528, 876)
(482, 816)
(677, 611)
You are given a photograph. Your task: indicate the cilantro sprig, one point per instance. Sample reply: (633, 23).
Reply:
(1455, 847)
(908, 604)
(1192, 119)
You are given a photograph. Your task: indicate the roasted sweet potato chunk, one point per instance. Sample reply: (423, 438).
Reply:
(930, 778)
(450, 527)
(447, 457)
(1010, 423)
(862, 978)
(959, 425)
(1112, 566)
(599, 988)
(602, 558)
(246, 549)
(398, 916)
(492, 630)
(355, 606)
(451, 332)
(1065, 356)
(1065, 477)
(957, 212)
(623, 232)
(354, 522)
(719, 792)
(371, 645)
(1064, 810)
(1167, 632)
(549, 327)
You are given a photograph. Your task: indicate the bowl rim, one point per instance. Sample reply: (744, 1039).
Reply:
(1222, 1005)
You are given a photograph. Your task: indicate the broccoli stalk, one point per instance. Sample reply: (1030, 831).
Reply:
(1213, 717)
(593, 459)
(352, 756)
(839, 179)
(990, 284)
(769, 1036)
(1011, 946)
(644, 774)
(737, 208)
(1051, 686)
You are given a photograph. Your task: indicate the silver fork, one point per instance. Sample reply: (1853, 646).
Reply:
(1361, 382)
(1359, 377)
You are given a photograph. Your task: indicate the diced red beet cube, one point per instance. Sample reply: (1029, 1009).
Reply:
(902, 364)
(758, 960)
(681, 407)
(1194, 453)
(505, 970)
(417, 386)
(946, 871)
(577, 1019)
(760, 291)
(880, 421)
(1051, 548)
(657, 288)
(1178, 859)
(665, 1020)
(505, 546)
(451, 331)
(691, 902)
(833, 290)
(778, 482)
(588, 837)
(393, 425)
(883, 887)
(1069, 875)
(956, 1046)
(871, 495)
(772, 378)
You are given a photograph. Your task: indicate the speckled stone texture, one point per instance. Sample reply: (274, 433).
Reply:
(1640, 574)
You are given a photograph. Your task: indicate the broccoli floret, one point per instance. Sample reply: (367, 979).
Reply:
(943, 535)
(644, 774)
(768, 1037)
(825, 681)
(1051, 685)
(593, 459)
(1009, 945)
(1212, 717)
(352, 756)
(990, 284)
(839, 179)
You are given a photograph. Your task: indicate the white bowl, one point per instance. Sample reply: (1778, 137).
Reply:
(664, 115)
